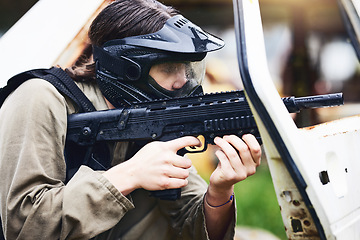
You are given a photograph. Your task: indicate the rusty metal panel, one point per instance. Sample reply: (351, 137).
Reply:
(333, 139)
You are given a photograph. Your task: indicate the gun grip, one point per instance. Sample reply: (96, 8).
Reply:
(168, 194)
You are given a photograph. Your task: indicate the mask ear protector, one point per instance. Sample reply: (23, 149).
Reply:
(132, 70)
(123, 67)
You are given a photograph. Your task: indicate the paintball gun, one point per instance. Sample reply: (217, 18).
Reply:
(207, 115)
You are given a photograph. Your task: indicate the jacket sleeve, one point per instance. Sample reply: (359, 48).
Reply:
(35, 203)
(186, 215)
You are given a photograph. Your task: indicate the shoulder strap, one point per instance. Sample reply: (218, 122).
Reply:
(57, 77)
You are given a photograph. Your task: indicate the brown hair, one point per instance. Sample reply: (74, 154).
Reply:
(120, 19)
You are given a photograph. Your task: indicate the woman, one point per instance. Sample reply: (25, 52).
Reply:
(113, 204)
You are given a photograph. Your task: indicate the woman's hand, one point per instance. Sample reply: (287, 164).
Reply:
(154, 167)
(238, 159)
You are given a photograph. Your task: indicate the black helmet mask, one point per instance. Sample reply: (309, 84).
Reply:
(123, 65)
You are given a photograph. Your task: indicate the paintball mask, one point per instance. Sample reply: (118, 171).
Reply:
(123, 65)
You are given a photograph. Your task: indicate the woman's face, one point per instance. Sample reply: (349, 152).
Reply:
(171, 76)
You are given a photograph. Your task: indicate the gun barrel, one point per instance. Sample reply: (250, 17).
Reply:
(327, 100)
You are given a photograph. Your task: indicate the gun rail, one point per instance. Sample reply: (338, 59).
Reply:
(210, 115)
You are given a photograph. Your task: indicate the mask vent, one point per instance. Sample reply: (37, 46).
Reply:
(151, 37)
(136, 52)
(181, 22)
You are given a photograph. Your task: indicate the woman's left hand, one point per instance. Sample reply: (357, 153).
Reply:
(238, 159)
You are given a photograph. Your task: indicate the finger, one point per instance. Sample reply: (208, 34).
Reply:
(231, 154)
(230, 174)
(242, 148)
(176, 183)
(169, 183)
(183, 142)
(175, 172)
(181, 162)
(254, 147)
(224, 163)
(245, 154)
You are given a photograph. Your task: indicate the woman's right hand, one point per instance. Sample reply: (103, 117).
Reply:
(154, 167)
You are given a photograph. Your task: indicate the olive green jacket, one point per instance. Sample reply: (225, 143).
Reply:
(35, 202)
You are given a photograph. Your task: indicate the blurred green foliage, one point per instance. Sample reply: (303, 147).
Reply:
(257, 204)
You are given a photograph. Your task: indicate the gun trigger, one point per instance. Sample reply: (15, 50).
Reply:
(124, 116)
(194, 149)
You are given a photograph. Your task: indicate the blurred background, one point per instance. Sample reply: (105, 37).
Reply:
(308, 53)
